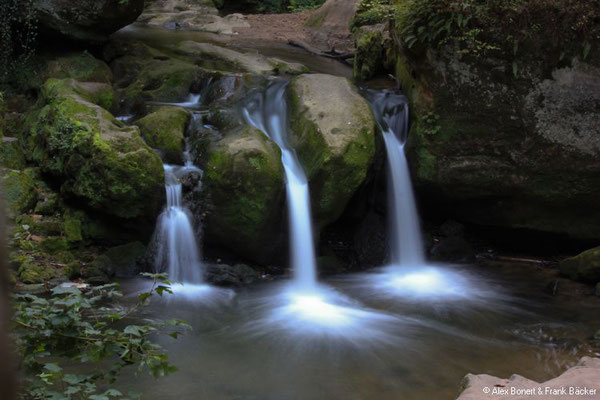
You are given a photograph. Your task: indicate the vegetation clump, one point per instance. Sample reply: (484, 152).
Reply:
(73, 325)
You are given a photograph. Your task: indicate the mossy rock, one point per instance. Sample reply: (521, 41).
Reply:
(30, 272)
(11, 153)
(99, 271)
(19, 191)
(72, 229)
(333, 132)
(149, 75)
(369, 53)
(583, 267)
(54, 244)
(243, 193)
(98, 93)
(101, 163)
(164, 130)
(82, 67)
(125, 258)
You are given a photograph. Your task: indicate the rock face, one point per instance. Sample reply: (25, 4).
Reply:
(243, 193)
(584, 376)
(494, 149)
(88, 20)
(221, 58)
(164, 130)
(96, 160)
(333, 132)
(583, 267)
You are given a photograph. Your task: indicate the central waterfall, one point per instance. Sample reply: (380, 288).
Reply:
(267, 111)
(392, 114)
(177, 246)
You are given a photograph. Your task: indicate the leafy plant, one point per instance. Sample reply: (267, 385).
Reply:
(74, 326)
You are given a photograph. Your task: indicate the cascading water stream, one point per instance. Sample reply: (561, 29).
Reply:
(267, 111)
(177, 246)
(392, 114)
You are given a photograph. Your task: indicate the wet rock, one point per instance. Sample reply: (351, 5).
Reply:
(143, 74)
(243, 192)
(105, 166)
(164, 130)
(227, 275)
(452, 228)
(370, 241)
(583, 267)
(90, 21)
(597, 290)
(333, 132)
(502, 142)
(453, 249)
(126, 258)
(584, 376)
(370, 49)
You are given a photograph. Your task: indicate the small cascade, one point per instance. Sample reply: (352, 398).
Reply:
(177, 247)
(267, 111)
(392, 114)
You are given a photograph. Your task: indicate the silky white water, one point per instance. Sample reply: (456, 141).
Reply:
(177, 246)
(267, 111)
(392, 114)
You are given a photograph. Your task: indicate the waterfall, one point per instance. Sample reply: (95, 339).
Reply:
(392, 114)
(267, 111)
(177, 246)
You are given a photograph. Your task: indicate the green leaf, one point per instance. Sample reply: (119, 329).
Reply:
(52, 367)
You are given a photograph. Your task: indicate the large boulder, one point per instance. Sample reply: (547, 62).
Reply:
(243, 192)
(97, 161)
(164, 130)
(583, 267)
(506, 134)
(333, 131)
(86, 20)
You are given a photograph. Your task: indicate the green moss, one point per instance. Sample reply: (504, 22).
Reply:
(72, 229)
(11, 154)
(19, 191)
(583, 267)
(101, 94)
(82, 67)
(427, 165)
(164, 130)
(124, 258)
(369, 53)
(243, 184)
(31, 272)
(106, 165)
(53, 245)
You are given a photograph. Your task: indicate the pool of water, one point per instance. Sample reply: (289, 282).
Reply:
(384, 335)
